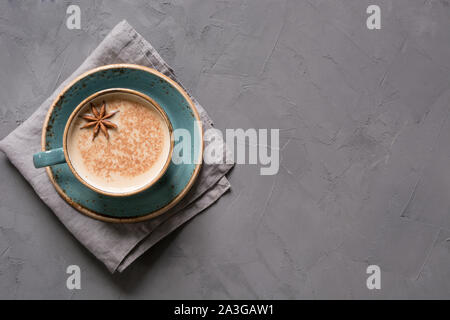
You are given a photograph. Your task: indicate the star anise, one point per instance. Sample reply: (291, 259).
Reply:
(98, 120)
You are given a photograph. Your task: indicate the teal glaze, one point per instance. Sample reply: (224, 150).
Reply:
(49, 158)
(180, 115)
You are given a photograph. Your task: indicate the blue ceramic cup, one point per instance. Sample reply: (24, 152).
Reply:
(61, 155)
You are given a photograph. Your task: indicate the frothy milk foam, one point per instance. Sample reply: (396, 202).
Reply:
(135, 152)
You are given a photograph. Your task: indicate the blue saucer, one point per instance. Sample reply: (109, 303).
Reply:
(173, 185)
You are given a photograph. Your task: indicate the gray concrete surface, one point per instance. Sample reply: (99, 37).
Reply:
(365, 136)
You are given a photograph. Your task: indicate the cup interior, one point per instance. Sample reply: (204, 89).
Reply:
(118, 142)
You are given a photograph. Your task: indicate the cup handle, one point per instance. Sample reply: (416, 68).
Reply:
(49, 158)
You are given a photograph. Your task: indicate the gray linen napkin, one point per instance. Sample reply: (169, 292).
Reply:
(116, 245)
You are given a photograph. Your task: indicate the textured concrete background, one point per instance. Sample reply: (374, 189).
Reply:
(365, 137)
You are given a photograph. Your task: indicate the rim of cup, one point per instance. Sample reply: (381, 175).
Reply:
(95, 96)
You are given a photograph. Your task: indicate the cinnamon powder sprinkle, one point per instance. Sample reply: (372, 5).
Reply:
(133, 147)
